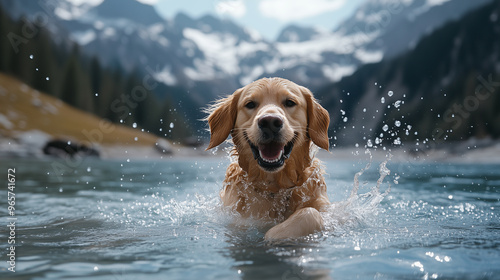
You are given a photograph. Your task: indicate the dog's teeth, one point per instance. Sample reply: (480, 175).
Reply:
(271, 161)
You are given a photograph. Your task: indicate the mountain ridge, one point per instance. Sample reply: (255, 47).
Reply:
(313, 60)
(428, 95)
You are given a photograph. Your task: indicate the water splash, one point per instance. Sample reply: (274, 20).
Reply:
(357, 208)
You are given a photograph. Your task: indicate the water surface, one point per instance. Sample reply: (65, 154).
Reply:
(162, 220)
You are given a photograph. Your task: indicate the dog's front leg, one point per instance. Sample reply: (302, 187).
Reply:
(301, 223)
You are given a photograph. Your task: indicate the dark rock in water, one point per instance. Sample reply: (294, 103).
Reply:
(64, 148)
(164, 147)
(193, 142)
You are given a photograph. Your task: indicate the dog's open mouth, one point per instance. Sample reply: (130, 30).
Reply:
(271, 156)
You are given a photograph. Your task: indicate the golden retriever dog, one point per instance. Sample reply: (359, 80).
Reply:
(273, 123)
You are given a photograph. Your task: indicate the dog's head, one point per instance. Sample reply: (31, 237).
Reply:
(269, 119)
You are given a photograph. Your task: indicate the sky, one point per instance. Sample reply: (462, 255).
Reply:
(267, 17)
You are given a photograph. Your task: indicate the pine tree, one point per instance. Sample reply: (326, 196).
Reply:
(46, 74)
(76, 88)
(21, 63)
(6, 51)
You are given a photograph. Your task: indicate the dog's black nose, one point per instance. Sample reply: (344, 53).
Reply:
(273, 123)
(270, 126)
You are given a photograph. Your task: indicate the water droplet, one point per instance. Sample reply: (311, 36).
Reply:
(135, 139)
(409, 127)
(89, 169)
(390, 93)
(382, 100)
(31, 56)
(364, 110)
(342, 112)
(171, 125)
(47, 78)
(345, 119)
(96, 94)
(385, 127)
(369, 143)
(397, 123)
(397, 104)
(396, 180)
(397, 141)
(378, 140)
(134, 125)
(60, 189)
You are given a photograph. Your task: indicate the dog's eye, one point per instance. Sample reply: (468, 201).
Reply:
(251, 105)
(290, 103)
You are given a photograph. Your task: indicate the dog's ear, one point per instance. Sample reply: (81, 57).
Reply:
(318, 120)
(221, 119)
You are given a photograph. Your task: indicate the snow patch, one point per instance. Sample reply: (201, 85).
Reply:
(72, 10)
(431, 3)
(312, 50)
(33, 140)
(63, 14)
(337, 72)
(250, 77)
(84, 37)
(219, 49)
(156, 29)
(288, 10)
(201, 71)
(369, 56)
(155, 34)
(98, 25)
(166, 76)
(109, 32)
(246, 48)
(6, 122)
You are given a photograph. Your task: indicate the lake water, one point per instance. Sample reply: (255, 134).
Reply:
(162, 220)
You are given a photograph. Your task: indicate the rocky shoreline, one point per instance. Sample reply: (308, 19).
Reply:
(34, 144)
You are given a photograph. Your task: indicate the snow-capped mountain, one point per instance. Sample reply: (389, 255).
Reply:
(211, 56)
(419, 95)
(395, 26)
(378, 29)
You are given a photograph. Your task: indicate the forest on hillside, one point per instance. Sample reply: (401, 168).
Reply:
(28, 53)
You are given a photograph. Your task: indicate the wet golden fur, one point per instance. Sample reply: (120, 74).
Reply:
(294, 194)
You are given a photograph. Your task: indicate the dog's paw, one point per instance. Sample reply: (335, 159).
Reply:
(303, 222)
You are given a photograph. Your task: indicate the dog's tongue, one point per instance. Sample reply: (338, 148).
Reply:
(271, 151)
